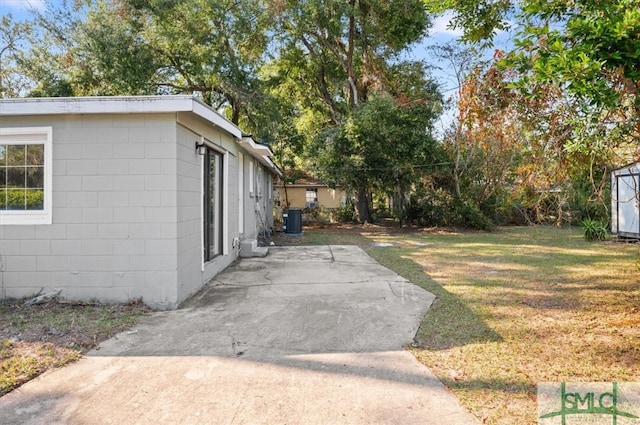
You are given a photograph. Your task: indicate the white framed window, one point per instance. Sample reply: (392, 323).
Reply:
(311, 195)
(26, 175)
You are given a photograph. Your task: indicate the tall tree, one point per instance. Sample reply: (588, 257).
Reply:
(13, 36)
(112, 55)
(461, 63)
(590, 49)
(336, 54)
(213, 48)
(487, 142)
(46, 61)
(347, 44)
(115, 47)
(480, 20)
(587, 54)
(384, 145)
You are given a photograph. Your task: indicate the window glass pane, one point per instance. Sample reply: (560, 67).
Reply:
(218, 195)
(16, 199)
(213, 203)
(35, 154)
(35, 177)
(16, 154)
(212, 211)
(3, 177)
(3, 155)
(34, 199)
(16, 177)
(3, 199)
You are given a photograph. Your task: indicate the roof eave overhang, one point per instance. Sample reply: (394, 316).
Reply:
(261, 152)
(117, 105)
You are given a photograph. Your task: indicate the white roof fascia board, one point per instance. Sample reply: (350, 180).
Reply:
(273, 166)
(116, 105)
(251, 145)
(205, 111)
(261, 152)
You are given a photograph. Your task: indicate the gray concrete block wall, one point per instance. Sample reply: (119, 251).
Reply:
(191, 275)
(114, 233)
(127, 210)
(188, 202)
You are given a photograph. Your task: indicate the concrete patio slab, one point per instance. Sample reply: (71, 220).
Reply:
(306, 335)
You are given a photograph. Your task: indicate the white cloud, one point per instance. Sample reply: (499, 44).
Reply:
(8, 6)
(441, 26)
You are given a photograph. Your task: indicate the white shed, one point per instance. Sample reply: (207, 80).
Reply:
(625, 214)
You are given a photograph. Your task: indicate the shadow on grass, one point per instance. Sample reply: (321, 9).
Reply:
(503, 385)
(449, 322)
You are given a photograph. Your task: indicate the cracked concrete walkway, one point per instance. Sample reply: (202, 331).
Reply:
(306, 335)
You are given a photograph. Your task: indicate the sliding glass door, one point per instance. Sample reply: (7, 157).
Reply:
(213, 185)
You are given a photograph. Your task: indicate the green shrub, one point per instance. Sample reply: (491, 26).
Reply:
(594, 230)
(438, 207)
(14, 199)
(345, 213)
(430, 207)
(470, 216)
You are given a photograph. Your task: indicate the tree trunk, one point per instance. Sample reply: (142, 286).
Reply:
(351, 78)
(400, 204)
(363, 212)
(286, 193)
(456, 172)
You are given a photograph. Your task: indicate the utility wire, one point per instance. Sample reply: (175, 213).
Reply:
(410, 166)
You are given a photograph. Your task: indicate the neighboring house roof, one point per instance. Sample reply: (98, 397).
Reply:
(131, 105)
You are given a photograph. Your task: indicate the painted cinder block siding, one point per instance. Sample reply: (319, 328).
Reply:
(191, 274)
(127, 210)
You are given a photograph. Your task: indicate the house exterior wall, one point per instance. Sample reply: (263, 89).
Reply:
(127, 197)
(295, 195)
(258, 199)
(327, 198)
(113, 235)
(192, 274)
(330, 198)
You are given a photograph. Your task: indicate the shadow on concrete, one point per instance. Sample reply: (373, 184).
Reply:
(309, 335)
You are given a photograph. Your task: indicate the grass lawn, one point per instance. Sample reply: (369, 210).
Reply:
(514, 307)
(41, 337)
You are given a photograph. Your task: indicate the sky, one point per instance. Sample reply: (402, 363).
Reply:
(18, 8)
